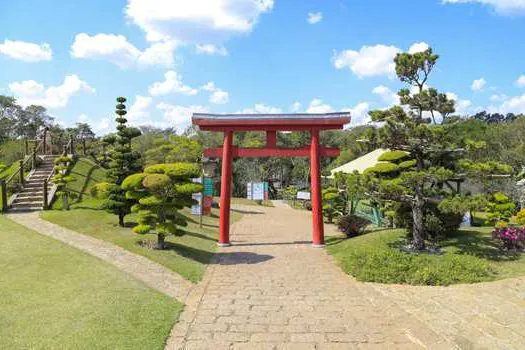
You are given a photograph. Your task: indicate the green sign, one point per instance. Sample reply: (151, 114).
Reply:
(208, 186)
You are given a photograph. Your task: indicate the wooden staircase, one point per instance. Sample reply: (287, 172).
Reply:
(31, 197)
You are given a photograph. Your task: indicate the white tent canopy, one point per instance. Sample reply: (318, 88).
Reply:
(360, 164)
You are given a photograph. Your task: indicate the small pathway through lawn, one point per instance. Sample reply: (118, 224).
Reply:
(154, 275)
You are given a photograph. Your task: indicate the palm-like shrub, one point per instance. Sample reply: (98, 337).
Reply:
(161, 190)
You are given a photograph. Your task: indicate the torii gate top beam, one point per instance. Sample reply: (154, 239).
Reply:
(271, 122)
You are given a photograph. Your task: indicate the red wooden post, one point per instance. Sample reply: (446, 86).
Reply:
(226, 181)
(271, 139)
(315, 169)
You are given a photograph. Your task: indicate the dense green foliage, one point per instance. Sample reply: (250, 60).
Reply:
(160, 191)
(124, 162)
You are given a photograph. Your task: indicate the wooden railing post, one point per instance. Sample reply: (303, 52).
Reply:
(3, 191)
(26, 147)
(45, 204)
(44, 144)
(33, 162)
(21, 172)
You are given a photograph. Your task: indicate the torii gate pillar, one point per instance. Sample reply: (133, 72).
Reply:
(271, 123)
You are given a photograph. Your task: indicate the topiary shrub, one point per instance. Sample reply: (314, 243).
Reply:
(161, 190)
(62, 179)
(352, 225)
(383, 168)
(499, 209)
(393, 156)
(520, 217)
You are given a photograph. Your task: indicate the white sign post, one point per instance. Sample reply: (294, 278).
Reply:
(303, 195)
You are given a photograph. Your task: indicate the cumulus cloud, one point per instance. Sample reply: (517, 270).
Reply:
(368, 61)
(172, 84)
(514, 104)
(418, 47)
(478, 84)
(315, 17)
(177, 116)
(296, 107)
(359, 113)
(261, 108)
(317, 106)
(27, 52)
(504, 7)
(196, 21)
(387, 95)
(217, 96)
(209, 49)
(30, 92)
(498, 97)
(138, 113)
(462, 106)
(520, 82)
(118, 50)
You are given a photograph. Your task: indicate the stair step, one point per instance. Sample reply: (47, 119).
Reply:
(31, 199)
(27, 204)
(27, 208)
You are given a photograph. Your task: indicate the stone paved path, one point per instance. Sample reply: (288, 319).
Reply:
(151, 273)
(272, 290)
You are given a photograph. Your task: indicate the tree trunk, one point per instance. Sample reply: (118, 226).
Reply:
(160, 241)
(418, 230)
(121, 219)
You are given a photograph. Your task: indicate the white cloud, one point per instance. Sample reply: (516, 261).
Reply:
(418, 47)
(102, 127)
(462, 106)
(317, 106)
(514, 104)
(260, 108)
(314, 17)
(478, 84)
(172, 84)
(138, 112)
(368, 61)
(217, 96)
(504, 7)
(498, 97)
(296, 107)
(179, 117)
(31, 92)
(359, 113)
(28, 52)
(209, 49)
(196, 21)
(520, 82)
(387, 95)
(118, 50)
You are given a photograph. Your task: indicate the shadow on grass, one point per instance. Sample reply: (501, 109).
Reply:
(271, 243)
(476, 244)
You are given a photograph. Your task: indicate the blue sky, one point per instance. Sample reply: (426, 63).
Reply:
(173, 57)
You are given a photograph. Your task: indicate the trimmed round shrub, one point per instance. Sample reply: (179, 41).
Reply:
(383, 168)
(393, 156)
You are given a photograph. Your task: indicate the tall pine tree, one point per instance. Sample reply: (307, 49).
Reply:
(124, 162)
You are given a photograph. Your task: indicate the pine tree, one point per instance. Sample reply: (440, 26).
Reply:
(124, 162)
(428, 157)
(161, 190)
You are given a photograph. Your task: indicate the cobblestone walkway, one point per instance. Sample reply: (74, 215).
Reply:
(272, 290)
(151, 273)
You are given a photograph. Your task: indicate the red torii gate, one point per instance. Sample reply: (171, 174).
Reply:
(271, 123)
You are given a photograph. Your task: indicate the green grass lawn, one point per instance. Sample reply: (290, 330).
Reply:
(86, 173)
(187, 255)
(56, 297)
(469, 256)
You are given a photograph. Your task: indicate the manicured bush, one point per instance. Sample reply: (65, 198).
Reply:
(333, 204)
(393, 156)
(520, 217)
(352, 225)
(500, 208)
(383, 168)
(161, 191)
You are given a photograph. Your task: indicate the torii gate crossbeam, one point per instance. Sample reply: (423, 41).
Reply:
(271, 123)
